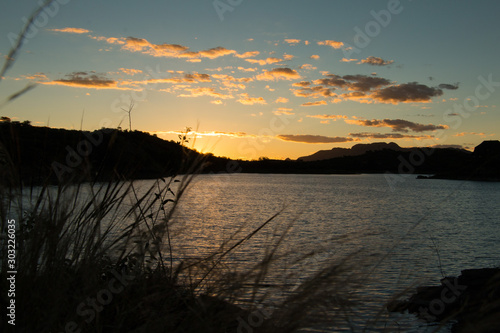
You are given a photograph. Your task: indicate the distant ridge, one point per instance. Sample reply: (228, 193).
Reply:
(355, 150)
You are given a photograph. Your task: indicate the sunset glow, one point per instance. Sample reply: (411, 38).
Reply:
(281, 79)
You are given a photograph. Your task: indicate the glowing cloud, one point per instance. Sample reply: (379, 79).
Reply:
(397, 125)
(281, 100)
(314, 103)
(263, 62)
(313, 138)
(284, 73)
(86, 80)
(332, 43)
(375, 61)
(71, 30)
(245, 99)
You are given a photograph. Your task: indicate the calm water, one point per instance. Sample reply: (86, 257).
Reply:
(406, 236)
(401, 237)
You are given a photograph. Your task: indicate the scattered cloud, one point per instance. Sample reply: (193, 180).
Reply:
(245, 99)
(469, 133)
(449, 86)
(262, 62)
(376, 61)
(283, 73)
(248, 54)
(347, 60)
(130, 71)
(308, 67)
(292, 41)
(247, 69)
(448, 146)
(393, 136)
(313, 138)
(86, 80)
(397, 125)
(314, 92)
(205, 91)
(283, 111)
(71, 30)
(332, 43)
(314, 56)
(314, 103)
(281, 100)
(353, 82)
(407, 93)
(333, 117)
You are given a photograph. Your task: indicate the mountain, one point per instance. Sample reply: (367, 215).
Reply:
(355, 150)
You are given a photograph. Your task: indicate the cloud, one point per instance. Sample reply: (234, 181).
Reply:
(38, 77)
(314, 56)
(394, 136)
(375, 61)
(86, 80)
(217, 102)
(406, 93)
(397, 125)
(248, 54)
(208, 133)
(448, 146)
(205, 91)
(301, 84)
(281, 100)
(166, 50)
(449, 86)
(247, 69)
(262, 62)
(245, 99)
(130, 71)
(283, 73)
(347, 60)
(314, 103)
(314, 92)
(333, 117)
(332, 43)
(313, 138)
(283, 111)
(292, 41)
(308, 67)
(353, 82)
(469, 133)
(71, 30)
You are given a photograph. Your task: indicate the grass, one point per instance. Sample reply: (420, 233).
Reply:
(99, 258)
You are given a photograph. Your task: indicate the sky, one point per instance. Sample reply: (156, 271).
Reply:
(277, 79)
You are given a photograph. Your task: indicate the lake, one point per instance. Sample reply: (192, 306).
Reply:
(403, 236)
(396, 236)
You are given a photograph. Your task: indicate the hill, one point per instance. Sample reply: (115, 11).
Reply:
(36, 155)
(356, 150)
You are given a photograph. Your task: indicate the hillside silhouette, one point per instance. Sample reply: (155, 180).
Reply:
(41, 154)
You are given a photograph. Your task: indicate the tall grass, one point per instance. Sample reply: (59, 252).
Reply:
(100, 258)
